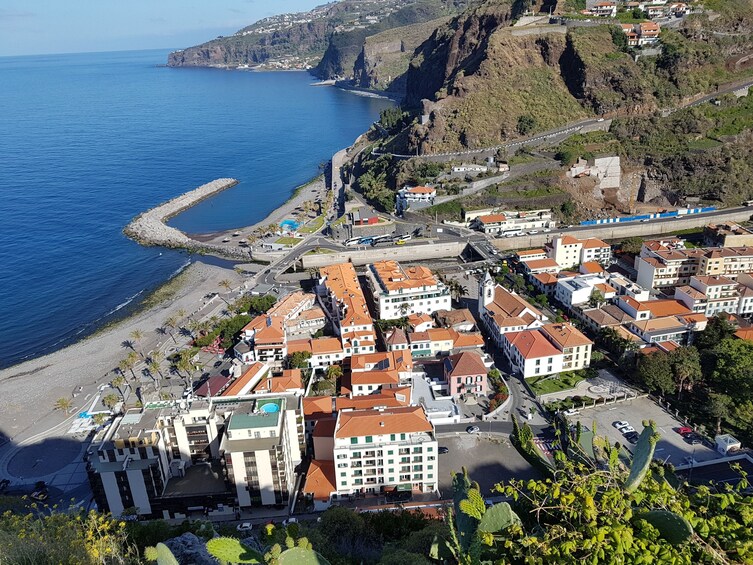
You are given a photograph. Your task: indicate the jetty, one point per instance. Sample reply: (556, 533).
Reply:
(149, 228)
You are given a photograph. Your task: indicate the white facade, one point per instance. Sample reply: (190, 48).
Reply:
(399, 293)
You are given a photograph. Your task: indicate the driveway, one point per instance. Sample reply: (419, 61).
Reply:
(488, 461)
(671, 447)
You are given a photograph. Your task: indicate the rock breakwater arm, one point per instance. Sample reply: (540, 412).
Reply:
(149, 228)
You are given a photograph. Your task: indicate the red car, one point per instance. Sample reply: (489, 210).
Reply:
(683, 431)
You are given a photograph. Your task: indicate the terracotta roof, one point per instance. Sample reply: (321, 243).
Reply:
(591, 267)
(624, 333)
(465, 363)
(570, 240)
(299, 345)
(421, 190)
(691, 292)
(315, 407)
(360, 423)
(468, 339)
(373, 377)
(634, 304)
(341, 280)
(393, 277)
(565, 335)
(417, 319)
(244, 381)
(601, 318)
(746, 334)
(528, 252)
(396, 336)
(659, 324)
(546, 278)
(714, 281)
(290, 380)
(320, 479)
(440, 334)
(325, 345)
(451, 318)
(492, 219)
(387, 398)
(605, 289)
(617, 313)
(668, 307)
(541, 264)
(415, 337)
(531, 344)
(593, 243)
(510, 305)
(694, 318)
(383, 360)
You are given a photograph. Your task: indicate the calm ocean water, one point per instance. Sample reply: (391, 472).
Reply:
(88, 141)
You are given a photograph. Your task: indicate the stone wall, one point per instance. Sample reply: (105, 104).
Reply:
(395, 252)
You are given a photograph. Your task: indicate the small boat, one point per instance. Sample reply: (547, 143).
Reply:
(226, 240)
(236, 234)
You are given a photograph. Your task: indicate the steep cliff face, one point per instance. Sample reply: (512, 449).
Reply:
(384, 58)
(345, 47)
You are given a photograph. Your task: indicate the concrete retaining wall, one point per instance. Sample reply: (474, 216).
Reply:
(394, 252)
(622, 231)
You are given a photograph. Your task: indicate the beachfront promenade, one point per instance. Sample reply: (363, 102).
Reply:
(150, 228)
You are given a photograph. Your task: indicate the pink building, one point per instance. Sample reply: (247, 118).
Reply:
(465, 373)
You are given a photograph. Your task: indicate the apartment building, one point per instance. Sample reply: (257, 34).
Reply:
(502, 311)
(414, 196)
(655, 330)
(710, 295)
(574, 291)
(532, 354)
(465, 373)
(574, 346)
(324, 351)
(381, 450)
(341, 296)
(369, 374)
(399, 291)
(491, 221)
(261, 447)
(570, 252)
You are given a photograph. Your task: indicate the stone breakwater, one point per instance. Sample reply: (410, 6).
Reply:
(149, 228)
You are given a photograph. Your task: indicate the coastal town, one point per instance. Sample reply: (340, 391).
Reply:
(485, 331)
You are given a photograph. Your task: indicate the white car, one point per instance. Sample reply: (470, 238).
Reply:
(546, 230)
(619, 424)
(473, 429)
(627, 430)
(244, 527)
(287, 521)
(533, 232)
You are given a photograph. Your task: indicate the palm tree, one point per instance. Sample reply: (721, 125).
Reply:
(154, 368)
(334, 372)
(110, 400)
(99, 418)
(171, 323)
(118, 383)
(63, 404)
(136, 335)
(227, 285)
(127, 364)
(404, 307)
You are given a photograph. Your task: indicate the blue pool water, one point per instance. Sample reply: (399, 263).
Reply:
(270, 408)
(290, 225)
(91, 140)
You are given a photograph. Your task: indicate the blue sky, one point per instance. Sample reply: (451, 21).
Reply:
(29, 27)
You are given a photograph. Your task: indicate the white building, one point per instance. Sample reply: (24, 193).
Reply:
(491, 221)
(502, 311)
(574, 291)
(401, 292)
(575, 347)
(569, 251)
(532, 354)
(414, 196)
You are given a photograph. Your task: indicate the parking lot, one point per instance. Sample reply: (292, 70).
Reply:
(671, 447)
(488, 461)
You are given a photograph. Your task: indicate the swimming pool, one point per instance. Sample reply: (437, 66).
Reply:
(270, 408)
(290, 225)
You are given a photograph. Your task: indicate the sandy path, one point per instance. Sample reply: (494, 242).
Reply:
(29, 390)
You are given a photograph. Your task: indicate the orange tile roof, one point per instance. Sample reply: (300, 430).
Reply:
(320, 479)
(415, 337)
(323, 345)
(592, 267)
(547, 263)
(242, 382)
(565, 335)
(396, 337)
(393, 277)
(418, 319)
(492, 218)
(468, 339)
(593, 243)
(290, 380)
(383, 360)
(421, 190)
(315, 407)
(299, 345)
(605, 288)
(714, 281)
(373, 377)
(531, 344)
(465, 363)
(546, 278)
(510, 305)
(746, 334)
(341, 280)
(387, 398)
(531, 252)
(360, 423)
(668, 307)
(634, 304)
(455, 317)
(570, 240)
(440, 334)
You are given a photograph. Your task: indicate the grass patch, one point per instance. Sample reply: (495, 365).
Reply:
(291, 241)
(313, 226)
(341, 220)
(446, 210)
(563, 381)
(321, 251)
(690, 231)
(703, 144)
(520, 159)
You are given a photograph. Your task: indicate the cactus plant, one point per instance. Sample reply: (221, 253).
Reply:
(161, 554)
(644, 453)
(674, 528)
(497, 518)
(466, 523)
(231, 550)
(301, 556)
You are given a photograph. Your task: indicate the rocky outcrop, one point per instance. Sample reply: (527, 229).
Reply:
(150, 228)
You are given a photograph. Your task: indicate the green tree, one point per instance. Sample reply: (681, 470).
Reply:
(717, 330)
(262, 304)
(686, 368)
(63, 404)
(568, 208)
(110, 400)
(137, 335)
(299, 360)
(655, 372)
(334, 372)
(733, 368)
(128, 364)
(596, 299)
(718, 408)
(619, 38)
(526, 124)
(631, 245)
(118, 382)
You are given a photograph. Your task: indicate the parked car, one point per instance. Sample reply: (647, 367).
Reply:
(628, 430)
(244, 527)
(684, 430)
(287, 521)
(443, 450)
(619, 424)
(632, 437)
(473, 429)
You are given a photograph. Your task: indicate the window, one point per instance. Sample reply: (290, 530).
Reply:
(390, 452)
(369, 439)
(343, 483)
(353, 440)
(392, 437)
(402, 436)
(343, 474)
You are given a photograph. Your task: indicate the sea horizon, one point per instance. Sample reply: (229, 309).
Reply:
(94, 139)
